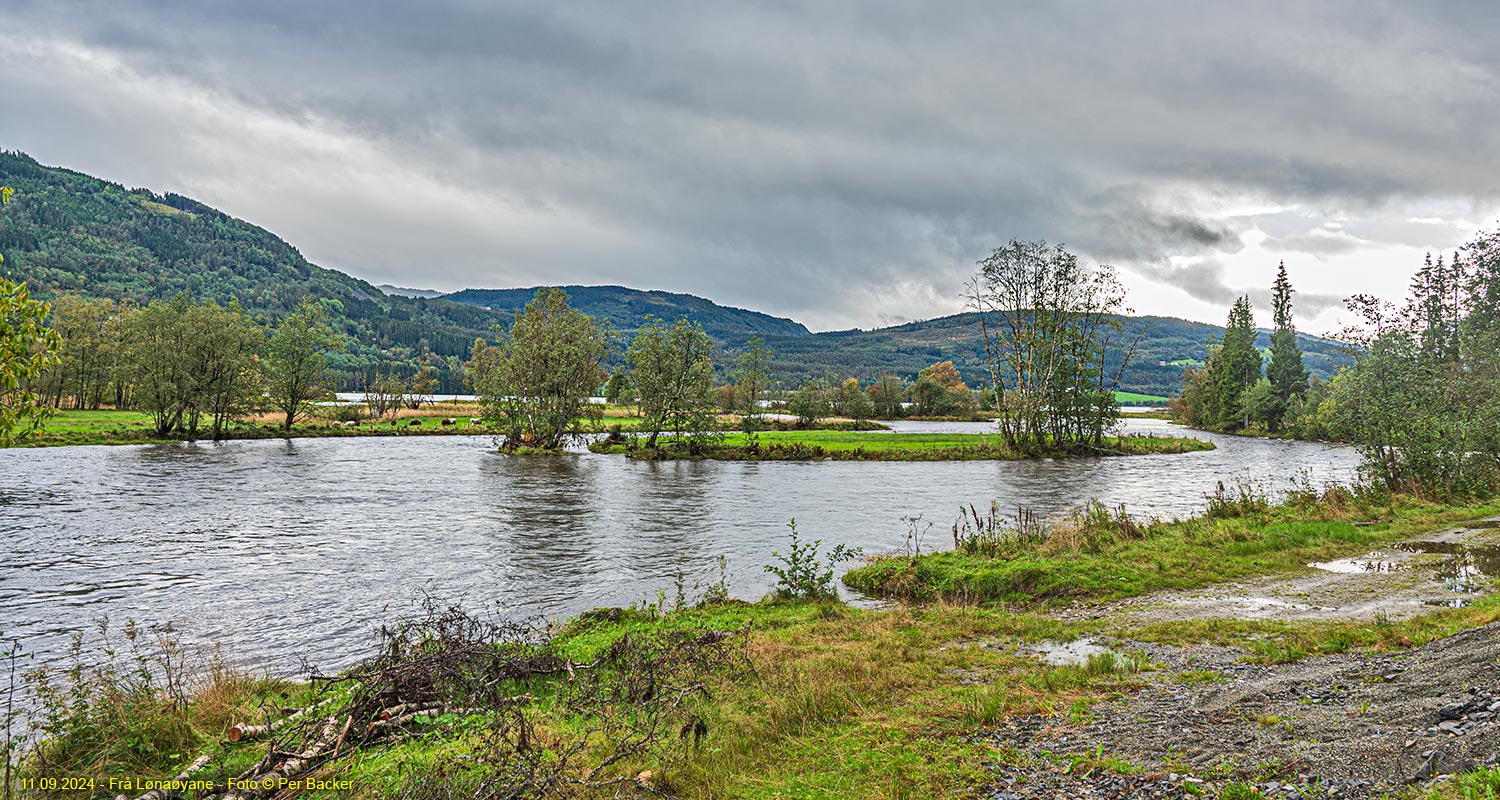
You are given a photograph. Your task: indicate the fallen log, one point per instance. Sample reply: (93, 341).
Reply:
(328, 734)
(162, 794)
(247, 731)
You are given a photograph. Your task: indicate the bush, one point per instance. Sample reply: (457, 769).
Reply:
(800, 575)
(347, 412)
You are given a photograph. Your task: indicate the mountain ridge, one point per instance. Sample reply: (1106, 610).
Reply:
(625, 309)
(68, 232)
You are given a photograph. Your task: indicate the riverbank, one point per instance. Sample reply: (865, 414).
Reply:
(857, 446)
(109, 426)
(1102, 554)
(718, 698)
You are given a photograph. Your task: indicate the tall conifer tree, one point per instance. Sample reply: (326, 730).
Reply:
(1285, 371)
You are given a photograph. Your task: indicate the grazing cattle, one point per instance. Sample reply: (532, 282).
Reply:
(474, 420)
(413, 423)
(449, 421)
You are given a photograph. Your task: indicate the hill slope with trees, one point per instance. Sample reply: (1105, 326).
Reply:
(66, 233)
(626, 309)
(1166, 349)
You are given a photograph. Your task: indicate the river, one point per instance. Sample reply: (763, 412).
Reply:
(300, 549)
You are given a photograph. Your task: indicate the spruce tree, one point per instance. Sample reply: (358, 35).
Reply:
(1236, 366)
(1287, 375)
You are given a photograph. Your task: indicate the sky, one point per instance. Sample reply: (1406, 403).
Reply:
(845, 164)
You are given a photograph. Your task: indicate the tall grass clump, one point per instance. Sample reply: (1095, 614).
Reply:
(132, 700)
(996, 536)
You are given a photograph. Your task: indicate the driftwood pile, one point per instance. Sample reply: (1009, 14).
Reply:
(635, 699)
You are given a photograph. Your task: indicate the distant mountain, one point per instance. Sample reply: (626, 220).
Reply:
(626, 309)
(425, 294)
(66, 232)
(1168, 347)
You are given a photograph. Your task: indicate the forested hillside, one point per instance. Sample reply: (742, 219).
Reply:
(625, 309)
(1167, 348)
(66, 232)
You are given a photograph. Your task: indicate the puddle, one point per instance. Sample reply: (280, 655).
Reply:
(1268, 603)
(1074, 653)
(1457, 602)
(1464, 562)
(1460, 569)
(1370, 562)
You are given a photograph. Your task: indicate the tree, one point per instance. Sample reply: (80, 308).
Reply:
(420, 387)
(158, 348)
(930, 398)
(810, 403)
(189, 360)
(224, 358)
(853, 402)
(1235, 366)
(536, 383)
(618, 390)
(91, 334)
(673, 372)
(1287, 376)
(296, 363)
(1198, 405)
(1261, 404)
(886, 395)
(944, 374)
(751, 380)
(1047, 322)
(1435, 308)
(27, 349)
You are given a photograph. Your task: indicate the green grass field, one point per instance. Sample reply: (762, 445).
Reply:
(108, 426)
(865, 446)
(1138, 399)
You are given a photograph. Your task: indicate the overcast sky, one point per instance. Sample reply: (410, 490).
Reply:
(841, 163)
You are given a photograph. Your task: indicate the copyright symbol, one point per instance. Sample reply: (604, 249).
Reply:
(267, 783)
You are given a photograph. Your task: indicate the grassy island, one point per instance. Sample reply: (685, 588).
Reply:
(861, 446)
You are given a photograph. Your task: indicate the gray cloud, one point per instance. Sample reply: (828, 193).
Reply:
(844, 163)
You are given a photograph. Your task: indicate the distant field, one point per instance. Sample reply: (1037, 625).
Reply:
(1138, 399)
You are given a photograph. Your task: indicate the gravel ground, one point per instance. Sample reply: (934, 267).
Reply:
(1346, 726)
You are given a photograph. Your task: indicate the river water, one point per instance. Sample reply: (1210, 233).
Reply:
(300, 549)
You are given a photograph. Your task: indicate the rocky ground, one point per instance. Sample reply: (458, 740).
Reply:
(1347, 726)
(1357, 725)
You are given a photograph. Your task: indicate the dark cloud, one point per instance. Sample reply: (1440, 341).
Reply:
(845, 162)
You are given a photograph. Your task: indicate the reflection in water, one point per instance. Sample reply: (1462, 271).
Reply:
(1460, 569)
(303, 547)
